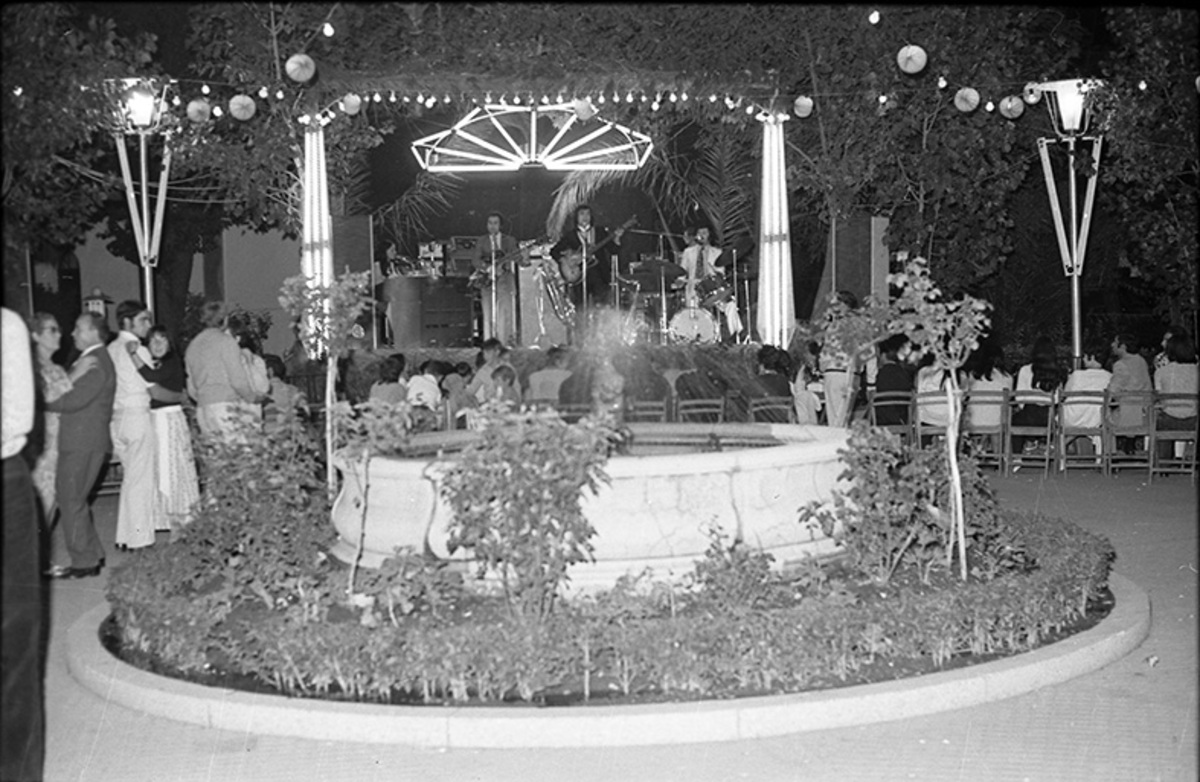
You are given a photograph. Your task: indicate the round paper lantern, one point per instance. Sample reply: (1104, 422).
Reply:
(912, 59)
(583, 109)
(1032, 93)
(966, 100)
(242, 107)
(198, 110)
(803, 106)
(300, 67)
(1012, 107)
(351, 104)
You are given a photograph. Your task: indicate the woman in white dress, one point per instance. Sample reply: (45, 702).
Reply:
(178, 487)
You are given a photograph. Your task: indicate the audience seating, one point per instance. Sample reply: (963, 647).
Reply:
(1185, 463)
(652, 410)
(704, 411)
(773, 409)
(881, 400)
(571, 412)
(922, 431)
(1042, 456)
(993, 434)
(1067, 433)
(1136, 425)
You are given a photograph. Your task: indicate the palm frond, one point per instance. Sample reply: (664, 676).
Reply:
(356, 190)
(579, 187)
(724, 184)
(407, 218)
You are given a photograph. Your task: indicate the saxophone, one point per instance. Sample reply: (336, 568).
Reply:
(556, 291)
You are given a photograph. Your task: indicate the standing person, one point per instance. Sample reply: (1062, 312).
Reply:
(133, 438)
(84, 440)
(22, 743)
(585, 260)
(498, 249)
(53, 382)
(178, 487)
(216, 377)
(1129, 373)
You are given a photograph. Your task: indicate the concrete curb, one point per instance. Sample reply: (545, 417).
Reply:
(607, 726)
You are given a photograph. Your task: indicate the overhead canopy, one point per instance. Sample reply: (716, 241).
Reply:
(502, 137)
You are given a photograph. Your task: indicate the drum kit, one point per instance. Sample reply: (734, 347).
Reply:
(653, 290)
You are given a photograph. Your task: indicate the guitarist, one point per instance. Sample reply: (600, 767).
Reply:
(587, 274)
(499, 321)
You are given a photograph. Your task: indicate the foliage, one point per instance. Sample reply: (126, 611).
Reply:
(55, 116)
(639, 637)
(894, 512)
(1150, 171)
(516, 498)
(733, 576)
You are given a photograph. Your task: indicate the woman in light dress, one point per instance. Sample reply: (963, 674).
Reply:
(54, 381)
(178, 487)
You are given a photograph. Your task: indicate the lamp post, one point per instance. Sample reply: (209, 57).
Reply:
(140, 108)
(1067, 102)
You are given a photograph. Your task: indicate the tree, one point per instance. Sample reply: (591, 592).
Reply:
(1150, 170)
(55, 116)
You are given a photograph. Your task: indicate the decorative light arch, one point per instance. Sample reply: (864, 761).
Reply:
(500, 137)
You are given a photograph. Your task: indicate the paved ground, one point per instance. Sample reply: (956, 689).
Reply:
(1134, 721)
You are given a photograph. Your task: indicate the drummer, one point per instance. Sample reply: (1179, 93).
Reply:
(700, 262)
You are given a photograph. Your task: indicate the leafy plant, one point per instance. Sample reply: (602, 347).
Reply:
(516, 498)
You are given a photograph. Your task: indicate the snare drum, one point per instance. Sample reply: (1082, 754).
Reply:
(693, 325)
(713, 291)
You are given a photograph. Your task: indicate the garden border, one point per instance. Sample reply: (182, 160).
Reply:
(607, 726)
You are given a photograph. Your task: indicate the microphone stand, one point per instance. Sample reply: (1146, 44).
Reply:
(494, 333)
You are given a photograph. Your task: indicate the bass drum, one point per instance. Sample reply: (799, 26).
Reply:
(693, 325)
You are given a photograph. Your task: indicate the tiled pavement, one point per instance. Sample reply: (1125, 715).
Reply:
(1133, 721)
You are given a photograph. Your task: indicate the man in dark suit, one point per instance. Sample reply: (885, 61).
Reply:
(84, 444)
(590, 283)
(499, 322)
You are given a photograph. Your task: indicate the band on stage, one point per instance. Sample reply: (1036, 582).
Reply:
(701, 293)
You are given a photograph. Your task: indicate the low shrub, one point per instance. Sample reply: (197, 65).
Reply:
(249, 589)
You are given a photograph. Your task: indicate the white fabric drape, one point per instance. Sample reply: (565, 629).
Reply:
(776, 312)
(316, 249)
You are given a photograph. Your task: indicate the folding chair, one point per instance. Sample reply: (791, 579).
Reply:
(646, 410)
(890, 402)
(571, 412)
(773, 409)
(983, 422)
(922, 431)
(704, 411)
(1080, 416)
(1185, 463)
(1129, 415)
(1015, 459)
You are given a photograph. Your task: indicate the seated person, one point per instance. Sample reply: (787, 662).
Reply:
(543, 385)
(892, 376)
(1176, 376)
(286, 401)
(390, 387)
(1091, 377)
(774, 371)
(932, 379)
(504, 379)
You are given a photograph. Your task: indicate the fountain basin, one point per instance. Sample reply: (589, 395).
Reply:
(655, 513)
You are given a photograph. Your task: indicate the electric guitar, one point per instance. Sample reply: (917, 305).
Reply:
(572, 263)
(482, 278)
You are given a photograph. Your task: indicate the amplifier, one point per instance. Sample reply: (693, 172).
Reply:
(459, 252)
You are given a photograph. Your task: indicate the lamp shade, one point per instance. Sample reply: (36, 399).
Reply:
(1012, 107)
(300, 67)
(242, 107)
(1068, 104)
(140, 103)
(802, 106)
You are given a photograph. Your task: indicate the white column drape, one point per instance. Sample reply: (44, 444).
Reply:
(316, 249)
(776, 311)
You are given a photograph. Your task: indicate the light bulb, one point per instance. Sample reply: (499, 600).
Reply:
(873, 17)
(328, 30)
(204, 89)
(279, 94)
(941, 82)
(263, 93)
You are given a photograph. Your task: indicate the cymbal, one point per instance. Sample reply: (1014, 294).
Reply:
(654, 267)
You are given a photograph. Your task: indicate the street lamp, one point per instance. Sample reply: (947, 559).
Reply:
(1069, 108)
(140, 108)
